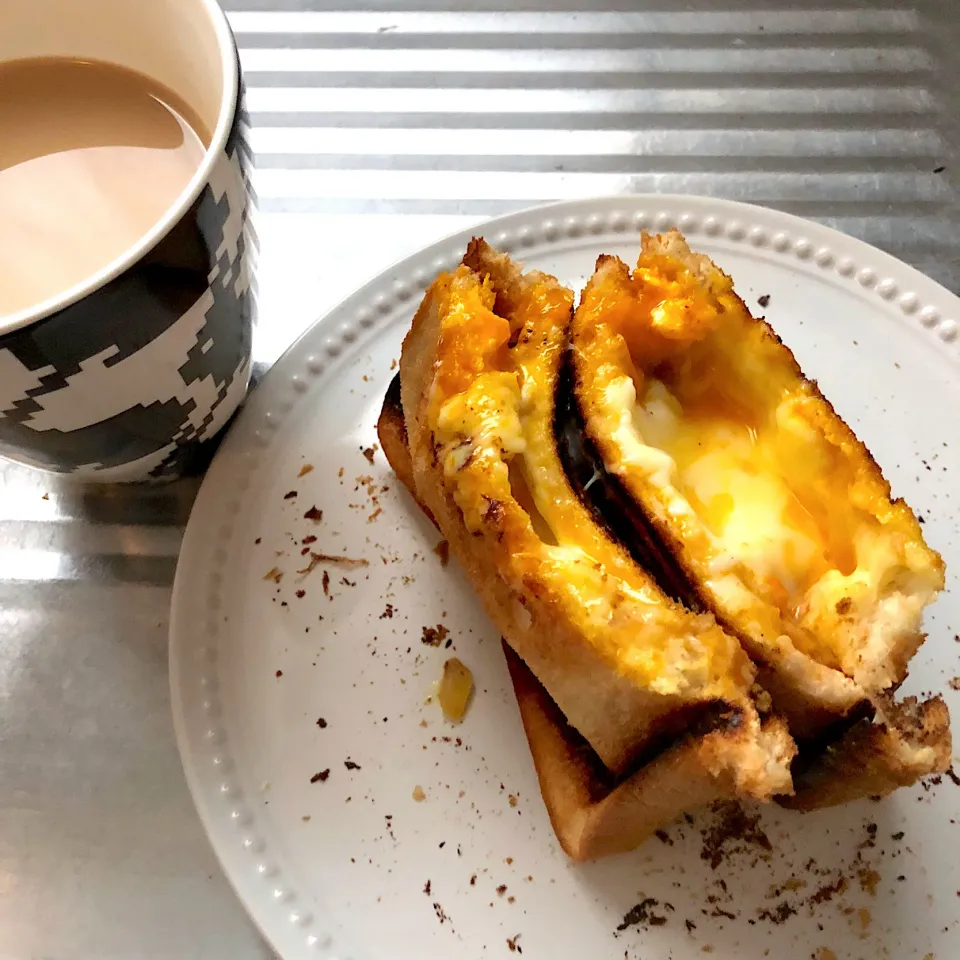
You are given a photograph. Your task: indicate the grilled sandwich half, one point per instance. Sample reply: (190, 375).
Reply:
(769, 511)
(627, 666)
(702, 441)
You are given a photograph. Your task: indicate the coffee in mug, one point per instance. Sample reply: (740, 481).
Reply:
(126, 242)
(93, 155)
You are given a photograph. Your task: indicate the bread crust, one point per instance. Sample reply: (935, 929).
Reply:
(906, 742)
(594, 817)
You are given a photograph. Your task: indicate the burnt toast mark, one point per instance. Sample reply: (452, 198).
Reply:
(609, 502)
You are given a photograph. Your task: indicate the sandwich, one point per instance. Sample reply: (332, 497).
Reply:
(639, 698)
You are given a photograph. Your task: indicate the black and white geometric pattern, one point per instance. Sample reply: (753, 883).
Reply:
(126, 383)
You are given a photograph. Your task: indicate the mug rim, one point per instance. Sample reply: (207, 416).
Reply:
(230, 76)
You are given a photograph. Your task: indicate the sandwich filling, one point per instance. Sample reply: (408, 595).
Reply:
(764, 496)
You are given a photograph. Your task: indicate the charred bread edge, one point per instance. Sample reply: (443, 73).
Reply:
(608, 500)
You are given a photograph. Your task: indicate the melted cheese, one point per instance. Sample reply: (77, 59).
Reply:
(488, 412)
(479, 430)
(619, 423)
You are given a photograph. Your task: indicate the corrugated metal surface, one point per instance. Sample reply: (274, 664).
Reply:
(397, 122)
(379, 126)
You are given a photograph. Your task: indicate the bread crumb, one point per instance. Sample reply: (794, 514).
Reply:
(434, 636)
(869, 880)
(418, 794)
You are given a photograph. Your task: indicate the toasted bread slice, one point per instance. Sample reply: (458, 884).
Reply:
(626, 665)
(724, 757)
(776, 516)
(593, 813)
(908, 741)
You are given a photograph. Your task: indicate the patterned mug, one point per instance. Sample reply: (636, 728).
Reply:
(129, 374)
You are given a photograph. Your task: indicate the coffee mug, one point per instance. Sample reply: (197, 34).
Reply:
(128, 374)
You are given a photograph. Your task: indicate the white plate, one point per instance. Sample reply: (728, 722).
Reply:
(353, 867)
